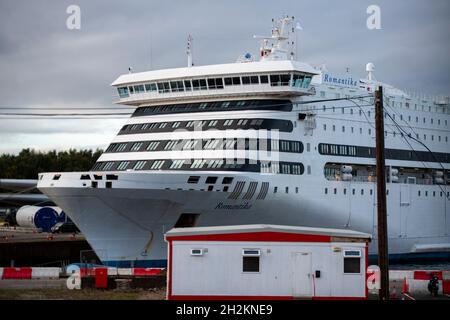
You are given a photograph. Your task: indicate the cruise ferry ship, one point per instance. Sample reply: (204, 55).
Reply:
(262, 140)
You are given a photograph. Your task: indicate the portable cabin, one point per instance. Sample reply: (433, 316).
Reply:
(266, 262)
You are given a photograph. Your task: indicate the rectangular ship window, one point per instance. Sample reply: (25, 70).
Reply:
(227, 180)
(264, 79)
(193, 179)
(211, 180)
(245, 80)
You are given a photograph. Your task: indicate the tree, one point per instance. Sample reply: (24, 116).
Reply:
(29, 163)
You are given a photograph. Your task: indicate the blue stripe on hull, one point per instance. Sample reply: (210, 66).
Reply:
(423, 257)
(136, 263)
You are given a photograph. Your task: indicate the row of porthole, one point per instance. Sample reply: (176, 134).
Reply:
(386, 133)
(419, 193)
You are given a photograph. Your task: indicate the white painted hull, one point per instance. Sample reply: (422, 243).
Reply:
(128, 223)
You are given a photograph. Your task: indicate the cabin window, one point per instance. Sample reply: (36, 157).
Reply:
(297, 80)
(211, 180)
(236, 80)
(203, 84)
(275, 80)
(139, 165)
(196, 84)
(188, 85)
(136, 146)
(193, 179)
(123, 92)
(254, 80)
(150, 87)
(123, 165)
(352, 261)
(152, 145)
(250, 260)
(306, 82)
(264, 79)
(219, 83)
(139, 88)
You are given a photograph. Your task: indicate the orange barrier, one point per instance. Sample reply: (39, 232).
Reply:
(101, 278)
(146, 271)
(17, 273)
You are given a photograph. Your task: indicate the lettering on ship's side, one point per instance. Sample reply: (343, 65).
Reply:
(342, 81)
(222, 206)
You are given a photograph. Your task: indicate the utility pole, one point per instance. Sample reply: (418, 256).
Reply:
(383, 261)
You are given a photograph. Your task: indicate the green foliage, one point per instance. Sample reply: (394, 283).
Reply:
(28, 163)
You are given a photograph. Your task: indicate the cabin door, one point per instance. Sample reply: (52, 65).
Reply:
(301, 274)
(405, 205)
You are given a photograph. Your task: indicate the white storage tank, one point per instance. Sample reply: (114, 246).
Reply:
(43, 218)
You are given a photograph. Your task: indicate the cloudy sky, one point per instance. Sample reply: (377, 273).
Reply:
(44, 64)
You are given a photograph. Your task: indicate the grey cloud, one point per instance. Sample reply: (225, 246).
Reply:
(44, 63)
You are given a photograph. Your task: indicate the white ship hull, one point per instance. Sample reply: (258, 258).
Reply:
(126, 225)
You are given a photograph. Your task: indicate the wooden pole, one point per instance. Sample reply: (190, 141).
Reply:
(383, 258)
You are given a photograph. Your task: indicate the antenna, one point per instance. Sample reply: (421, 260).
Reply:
(190, 50)
(282, 43)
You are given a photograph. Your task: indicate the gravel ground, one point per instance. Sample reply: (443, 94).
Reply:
(85, 294)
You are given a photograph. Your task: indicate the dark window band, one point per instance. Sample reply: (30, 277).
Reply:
(203, 125)
(242, 165)
(207, 144)
(392, 154)
(233, 105)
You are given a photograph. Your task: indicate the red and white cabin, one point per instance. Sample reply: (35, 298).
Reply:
(266, 262)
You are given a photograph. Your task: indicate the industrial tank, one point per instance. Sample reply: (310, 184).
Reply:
(43, 218)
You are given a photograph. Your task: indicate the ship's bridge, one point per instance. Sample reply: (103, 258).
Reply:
(286, 78)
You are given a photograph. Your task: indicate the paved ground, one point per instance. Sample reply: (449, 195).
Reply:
(33, 284)
(10, 235)
(396, 287)
(56, 289)
(85, 294)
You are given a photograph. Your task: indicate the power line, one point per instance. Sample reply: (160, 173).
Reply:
(415, 152)
(63, 114)
(334, 99)
(66, 108)
(23, 114)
